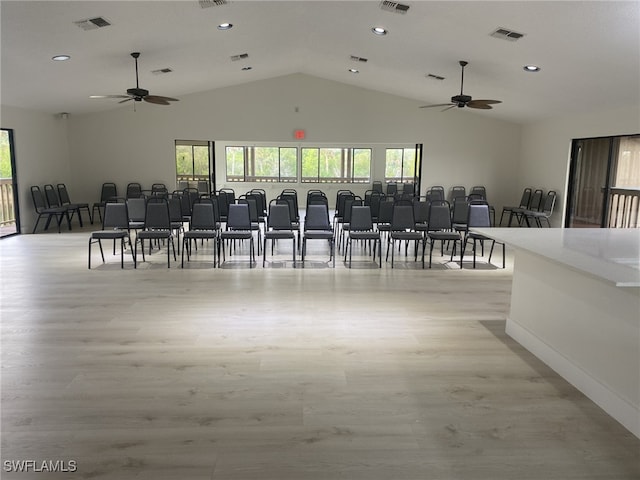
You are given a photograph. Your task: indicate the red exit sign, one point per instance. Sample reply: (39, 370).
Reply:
(299, 134)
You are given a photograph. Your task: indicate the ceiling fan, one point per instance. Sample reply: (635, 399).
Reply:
(463, 100)
(139, 94)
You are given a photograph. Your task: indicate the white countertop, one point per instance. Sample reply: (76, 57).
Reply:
(612, 254)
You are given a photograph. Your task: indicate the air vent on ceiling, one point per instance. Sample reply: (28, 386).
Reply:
(242, 56)
(161, 71)
(93, 23)
(506, 34)
(212, 3)
(394, 7)
(355, 58)
(434, 77)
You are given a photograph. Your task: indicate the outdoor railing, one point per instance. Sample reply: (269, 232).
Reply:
(7, 211)
(624, 208)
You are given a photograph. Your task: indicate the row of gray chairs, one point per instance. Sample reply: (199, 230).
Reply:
(54, 203)
(534, 208)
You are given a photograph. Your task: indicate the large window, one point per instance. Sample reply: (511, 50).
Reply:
(401, 165)
(336, 165)
(262, 164)
(192, 165)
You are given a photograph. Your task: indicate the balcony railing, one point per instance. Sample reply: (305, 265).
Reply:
(624, 207)
(7, 210)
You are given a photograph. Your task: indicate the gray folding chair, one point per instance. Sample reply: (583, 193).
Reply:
(115, 226)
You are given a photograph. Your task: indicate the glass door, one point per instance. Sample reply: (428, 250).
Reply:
(604, 183)
(193, 166)
(9, 218)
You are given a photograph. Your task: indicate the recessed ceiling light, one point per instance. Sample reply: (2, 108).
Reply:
(379, 31)
(60, 58)
(225, 26)
(531, 68)
(354, 70)
(246, 68)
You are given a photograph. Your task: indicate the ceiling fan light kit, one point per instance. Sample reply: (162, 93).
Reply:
(138, 94)
(463, 100)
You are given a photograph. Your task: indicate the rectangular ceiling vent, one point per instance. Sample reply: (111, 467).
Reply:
(355, 58)
(242, 56)
(506, 34)
(432, 76)
(394, 7)
(161, 71)
(212, 3)
(93, 23)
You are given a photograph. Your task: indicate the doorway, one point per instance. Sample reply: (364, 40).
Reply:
(9, 212)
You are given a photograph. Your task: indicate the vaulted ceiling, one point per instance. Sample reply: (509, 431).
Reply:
(588, 52)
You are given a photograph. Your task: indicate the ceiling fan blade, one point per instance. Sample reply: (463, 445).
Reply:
(449, 107)
(481, 106)
(126, 100)
(109, 96)
(166, 99)
(438, 105)
(155, 100)
(474, 103)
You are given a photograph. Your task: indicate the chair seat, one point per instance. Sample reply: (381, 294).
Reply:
(406, 235)
(444, 236)
(318, 234)
(200, 234)
(109, 234)
(279, 234)
(364, 235)
(236, 234)
(154, 234)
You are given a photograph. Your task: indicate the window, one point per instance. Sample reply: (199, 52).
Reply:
(401, 165)
(336, 165)
(262, 164)
(192, 165)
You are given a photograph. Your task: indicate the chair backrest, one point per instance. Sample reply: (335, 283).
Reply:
(549, 202)
(385, 213)
(137, 209)
(108, 191)
(478, 215)
(460, 210)
(175, 208)
(250, 200)
(536, 200)
(403, 217)
(392, 188)
(435, 194)
(63, 194)
(292, 197)
(458, 191)
(231, 195)
(159, 189)
(189, 196)
(157, 216)
(361, 218)
(134, 190)
(115, 216)
(479, 192)
(203, 187)
(349, 203)
(408, 188)
(342, 201)
(317, 218)
(377, 186)
(525, 199)
(223, 203)
(290, 202)
(39, 203)
(203, 217)
(374, 202)
(421, 211)
(338, 194)
(279, 218)
(261, 199)
(440, 216)
(52, 196)
(239, 217)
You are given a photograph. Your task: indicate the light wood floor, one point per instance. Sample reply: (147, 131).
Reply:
(281, 373)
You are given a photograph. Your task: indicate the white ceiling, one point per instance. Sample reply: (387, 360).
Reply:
(589, 52)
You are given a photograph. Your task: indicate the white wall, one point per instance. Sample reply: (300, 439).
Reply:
(546, 147)
(42, 155)
(460, 147)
